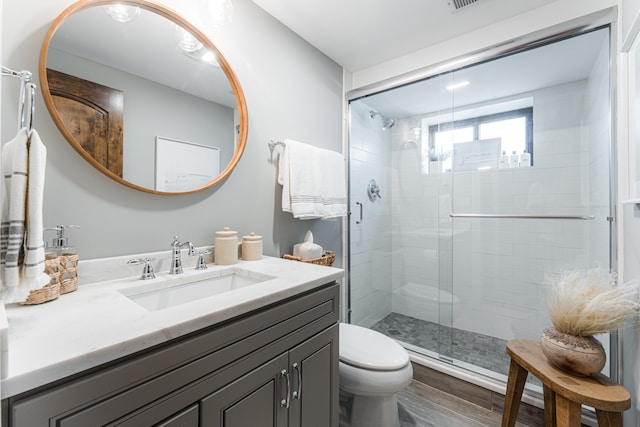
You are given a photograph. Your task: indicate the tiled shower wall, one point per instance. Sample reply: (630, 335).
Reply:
(370, 240)
(496, 268)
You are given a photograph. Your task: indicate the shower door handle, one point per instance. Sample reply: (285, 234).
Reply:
(360, 220)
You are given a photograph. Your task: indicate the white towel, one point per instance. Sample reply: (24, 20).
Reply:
(21, 240)
(313, 181)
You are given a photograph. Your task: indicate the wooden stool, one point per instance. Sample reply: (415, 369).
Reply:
(564, 394)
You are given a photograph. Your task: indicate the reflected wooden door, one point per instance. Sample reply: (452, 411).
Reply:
(93, 115)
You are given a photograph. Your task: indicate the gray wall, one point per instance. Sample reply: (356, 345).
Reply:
(292, 91)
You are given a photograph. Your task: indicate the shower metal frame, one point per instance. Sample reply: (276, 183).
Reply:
(602, 19)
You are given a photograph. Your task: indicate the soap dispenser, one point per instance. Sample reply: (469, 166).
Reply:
(67, 256)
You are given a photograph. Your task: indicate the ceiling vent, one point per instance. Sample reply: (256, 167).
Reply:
(459, 4)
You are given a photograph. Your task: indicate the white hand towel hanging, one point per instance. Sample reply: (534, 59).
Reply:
(313, 181)
(21, 229)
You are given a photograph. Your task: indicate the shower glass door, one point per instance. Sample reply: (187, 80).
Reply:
(493, 179)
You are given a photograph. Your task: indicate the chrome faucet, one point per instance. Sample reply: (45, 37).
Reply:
(147, 271)
(176, 258)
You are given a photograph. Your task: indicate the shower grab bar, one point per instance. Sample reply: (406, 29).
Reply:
(516, 216)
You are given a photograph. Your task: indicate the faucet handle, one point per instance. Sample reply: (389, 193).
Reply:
(147, 270)
(201, 263)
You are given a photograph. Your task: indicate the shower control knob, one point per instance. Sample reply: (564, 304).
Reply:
(373, 191)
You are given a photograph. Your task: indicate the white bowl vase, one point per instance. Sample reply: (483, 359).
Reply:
(581, 356)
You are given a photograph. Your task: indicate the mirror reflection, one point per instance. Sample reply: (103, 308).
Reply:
(143, 99)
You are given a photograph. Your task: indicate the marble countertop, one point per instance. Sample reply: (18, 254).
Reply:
(97, 323)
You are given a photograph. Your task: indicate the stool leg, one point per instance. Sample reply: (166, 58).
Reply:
(568, 413)
(549, 407)
(609, 419)
(515, 386)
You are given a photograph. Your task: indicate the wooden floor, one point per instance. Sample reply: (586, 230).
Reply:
(423, 406)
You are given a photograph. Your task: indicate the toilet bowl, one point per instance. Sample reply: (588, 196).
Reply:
(373, 369)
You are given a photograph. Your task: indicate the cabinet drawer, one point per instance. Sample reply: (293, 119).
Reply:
(190, 417)
(122, 389)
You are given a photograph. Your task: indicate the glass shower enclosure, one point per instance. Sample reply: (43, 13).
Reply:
(470, 189)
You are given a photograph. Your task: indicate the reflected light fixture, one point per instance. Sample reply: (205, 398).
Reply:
(458, 85)
(208, 56)
(122, 13)
(205, 56)
(185, 40)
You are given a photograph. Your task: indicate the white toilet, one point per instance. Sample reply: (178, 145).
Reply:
(373, 368)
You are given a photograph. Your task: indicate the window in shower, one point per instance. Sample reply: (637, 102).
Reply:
(513, 128)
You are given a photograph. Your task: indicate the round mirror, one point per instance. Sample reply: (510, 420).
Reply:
(143, 96)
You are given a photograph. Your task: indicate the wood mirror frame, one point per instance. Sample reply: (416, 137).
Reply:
(163, 11)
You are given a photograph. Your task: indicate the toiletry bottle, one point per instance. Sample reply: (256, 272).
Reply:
(514, 160)
(503, 162)
(251, 247)
(525, 159)
(226, 247)
(68, 257)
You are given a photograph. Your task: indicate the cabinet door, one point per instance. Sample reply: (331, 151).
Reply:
(253, 400)
(314, 378)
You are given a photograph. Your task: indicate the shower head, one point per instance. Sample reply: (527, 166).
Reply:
(387, 122)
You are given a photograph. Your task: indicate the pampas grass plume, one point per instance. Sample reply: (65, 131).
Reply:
(588, 302)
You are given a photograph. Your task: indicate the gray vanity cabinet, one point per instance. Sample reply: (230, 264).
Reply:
(277, 366)
(294, 390)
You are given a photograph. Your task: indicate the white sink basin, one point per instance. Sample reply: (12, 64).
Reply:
(159, 294)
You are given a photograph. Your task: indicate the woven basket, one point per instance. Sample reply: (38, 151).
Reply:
(68, 273)
(327, 259)
(51, 290)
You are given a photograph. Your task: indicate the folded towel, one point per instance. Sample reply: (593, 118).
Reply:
(21, 228)
(334, 189)
(313, 181)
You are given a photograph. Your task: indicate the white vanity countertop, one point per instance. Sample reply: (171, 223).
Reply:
(97, 324)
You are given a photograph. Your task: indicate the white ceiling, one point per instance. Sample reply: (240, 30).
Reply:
(358, 34)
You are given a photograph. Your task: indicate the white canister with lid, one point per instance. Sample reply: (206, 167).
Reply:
(226, 247)
(251, 247)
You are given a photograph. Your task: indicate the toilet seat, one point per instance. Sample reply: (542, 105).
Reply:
(366, 349)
